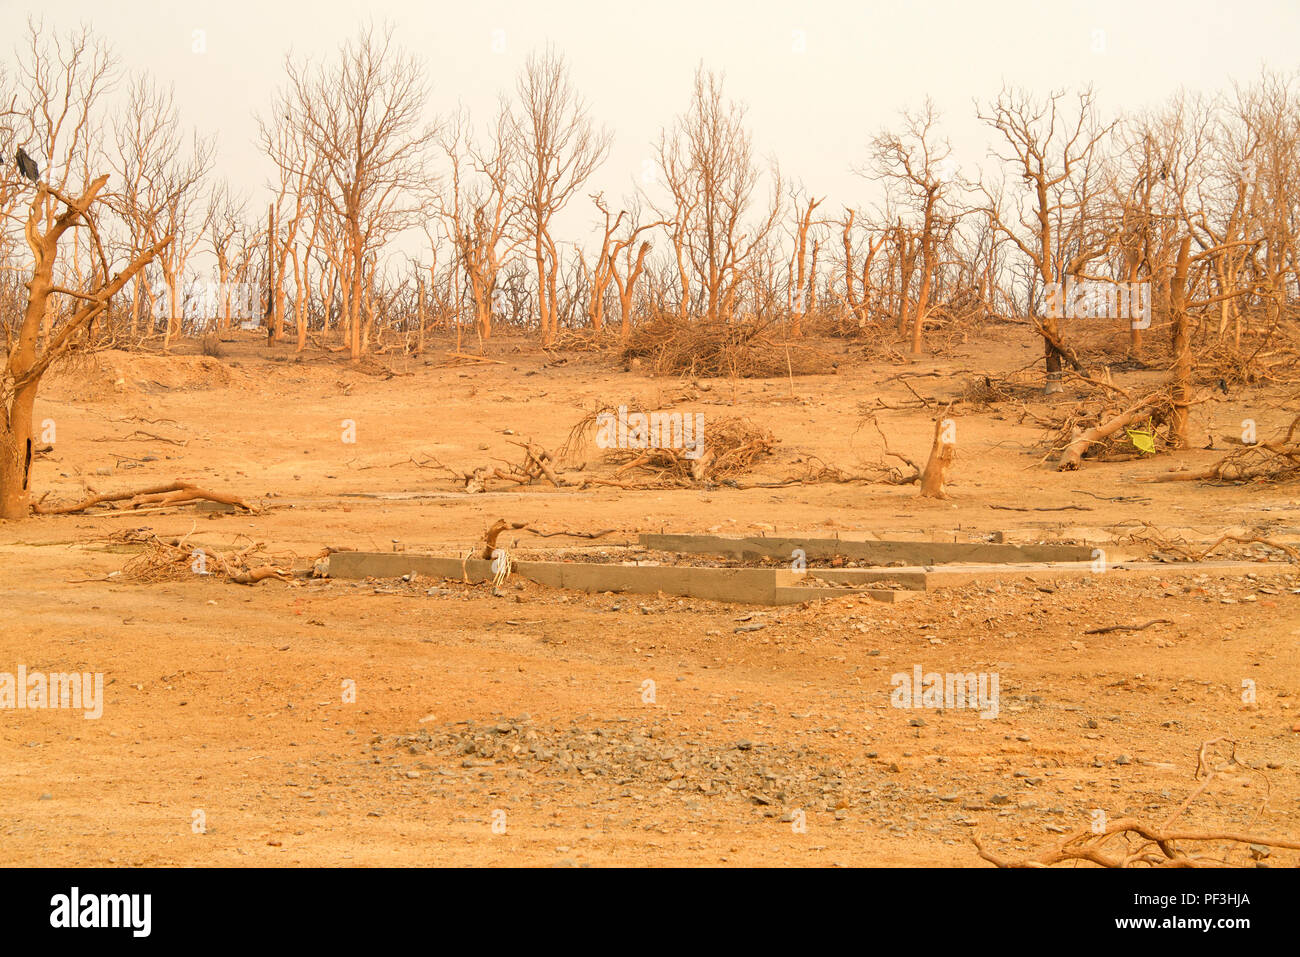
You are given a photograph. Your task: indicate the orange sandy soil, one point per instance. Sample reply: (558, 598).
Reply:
(227, 699)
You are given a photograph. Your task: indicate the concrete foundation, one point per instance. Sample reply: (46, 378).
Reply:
(755, 586)
(872, 553)
(777, 586)
(949, 576)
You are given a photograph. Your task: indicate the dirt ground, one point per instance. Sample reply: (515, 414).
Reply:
(517, 729)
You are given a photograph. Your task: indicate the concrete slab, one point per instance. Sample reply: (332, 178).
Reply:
(949, 576)
(874, 553)
(397, 564)
(794, 594)
(912, 579)
(757, 586)
(768, 586)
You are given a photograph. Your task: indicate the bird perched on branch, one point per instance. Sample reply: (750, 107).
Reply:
(27, 166)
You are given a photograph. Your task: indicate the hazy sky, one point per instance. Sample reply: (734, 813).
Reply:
(819, 77)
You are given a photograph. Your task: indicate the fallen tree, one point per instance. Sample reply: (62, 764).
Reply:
(1085, 440)
(172, 493)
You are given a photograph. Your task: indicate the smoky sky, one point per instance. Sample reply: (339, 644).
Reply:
(818, 78)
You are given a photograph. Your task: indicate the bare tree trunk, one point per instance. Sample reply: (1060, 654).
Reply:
(300, 316)
(922, 300)
(943, 453)
(31, 355)
(272, 325)
(16, 452)
(170, 298)
(135, 306)
(354, 297)
(1182, 346)
(906, 266)
(419, 348)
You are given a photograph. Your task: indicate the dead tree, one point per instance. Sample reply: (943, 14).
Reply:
(861, 308)
(479, 207)
(559, 148)
(362, 119)
(1054, 153)
(608, 267)
(295, 187)
(708, 166)
(30, 357)
(161, 188)
(801, 276)
(915, 163)
(226, 232)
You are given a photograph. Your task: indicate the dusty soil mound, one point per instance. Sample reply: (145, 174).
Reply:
(114, 372)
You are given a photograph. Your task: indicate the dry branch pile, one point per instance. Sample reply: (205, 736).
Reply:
(713, 349)
(578, 340)
(177, 559)
(1115, 430)
(1218, 362)
(722, 449)
(729, 447)
(983, 391)
(537, 464)
(1276, 461)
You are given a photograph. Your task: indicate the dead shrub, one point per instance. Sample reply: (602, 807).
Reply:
(726, 447)
(730, 447)
(740, 349)
(210, 345)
